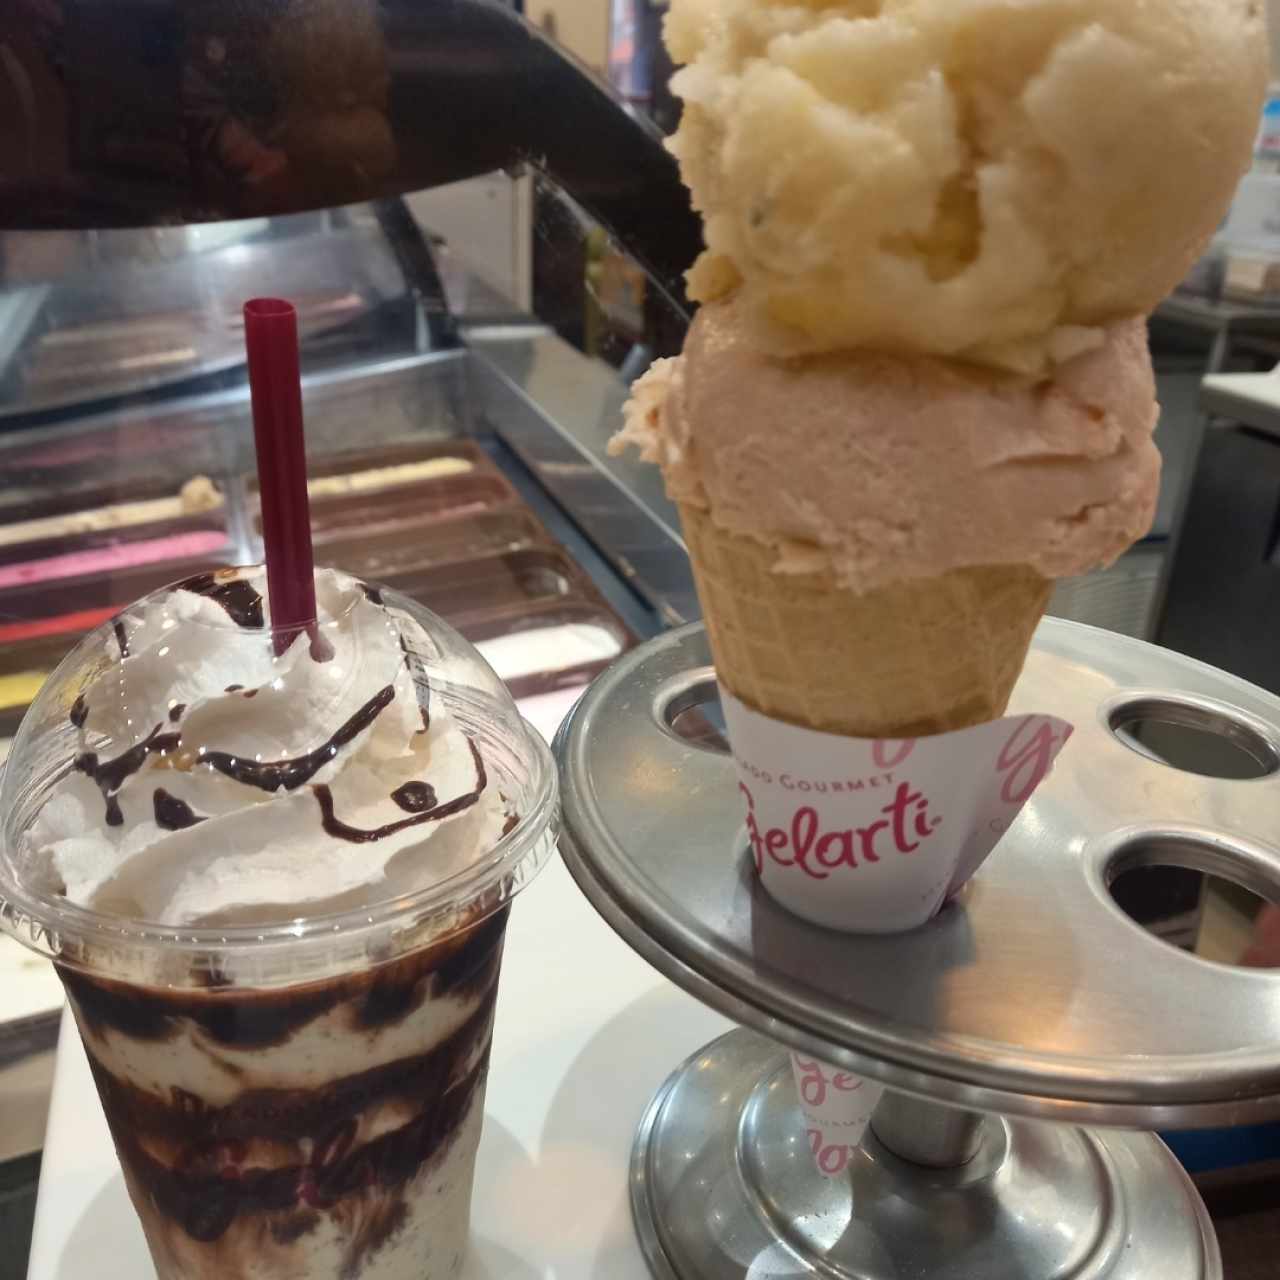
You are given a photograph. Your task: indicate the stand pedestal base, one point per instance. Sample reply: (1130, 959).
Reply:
(723, 1187)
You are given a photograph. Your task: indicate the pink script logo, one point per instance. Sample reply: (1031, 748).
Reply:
(1027, 757)
(815, 1083)
(801, 843)
(888, 753)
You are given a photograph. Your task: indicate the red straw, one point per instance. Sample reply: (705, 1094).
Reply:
(275, 384)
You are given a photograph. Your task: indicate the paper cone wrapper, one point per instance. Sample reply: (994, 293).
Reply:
(876, 771)
(837, 1107)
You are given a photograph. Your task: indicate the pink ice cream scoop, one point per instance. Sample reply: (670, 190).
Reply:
(885, 468)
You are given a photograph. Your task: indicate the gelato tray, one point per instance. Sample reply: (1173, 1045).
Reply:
(437, 520)
(554, 645)
(473, 590)
(382, 552)
(441, 523)
(391, 489)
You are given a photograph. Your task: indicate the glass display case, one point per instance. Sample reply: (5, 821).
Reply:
(127, 451)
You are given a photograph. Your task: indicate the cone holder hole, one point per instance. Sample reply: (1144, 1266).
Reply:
(688, 709)
(1211, 899)
(1195, 735)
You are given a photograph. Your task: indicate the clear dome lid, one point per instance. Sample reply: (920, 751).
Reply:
(194, 797)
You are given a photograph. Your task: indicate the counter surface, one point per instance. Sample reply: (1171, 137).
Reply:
(1250, 398)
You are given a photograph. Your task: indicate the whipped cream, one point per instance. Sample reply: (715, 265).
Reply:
(219, 784)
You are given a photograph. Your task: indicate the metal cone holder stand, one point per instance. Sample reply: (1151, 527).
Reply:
(1027, 1007)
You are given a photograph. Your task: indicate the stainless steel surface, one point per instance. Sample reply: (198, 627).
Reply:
(723, 1187)
(1032, 993)
(1119, 598)
(158, 111)
(926, 1133)
(19, 310)
(1218, 318)
(557, 409)
(1223, 598)
(1228, 325)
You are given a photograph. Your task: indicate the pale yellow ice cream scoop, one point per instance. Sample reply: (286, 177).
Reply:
(994, 180)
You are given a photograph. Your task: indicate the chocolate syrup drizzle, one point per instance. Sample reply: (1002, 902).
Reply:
(173, 814)
(415, 797)
(110, 775)
(334, 826)
(241, 603)
(272, 775)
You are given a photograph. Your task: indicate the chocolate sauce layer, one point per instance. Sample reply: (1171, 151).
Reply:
(201, 1166)
(205, 1204)
(232, 1016)
(320, 1114)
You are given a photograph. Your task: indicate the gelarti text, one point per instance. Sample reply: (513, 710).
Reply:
(905, 823)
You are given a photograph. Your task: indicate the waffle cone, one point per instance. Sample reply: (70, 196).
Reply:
(910, 659)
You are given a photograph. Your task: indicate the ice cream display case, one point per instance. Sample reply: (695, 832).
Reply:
(162, 162)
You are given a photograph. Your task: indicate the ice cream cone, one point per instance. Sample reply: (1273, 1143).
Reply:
(918, 657)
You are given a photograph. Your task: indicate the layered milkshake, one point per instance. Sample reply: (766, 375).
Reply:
(276, 888)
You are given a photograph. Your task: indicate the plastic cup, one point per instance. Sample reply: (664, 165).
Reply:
(300, 1095)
